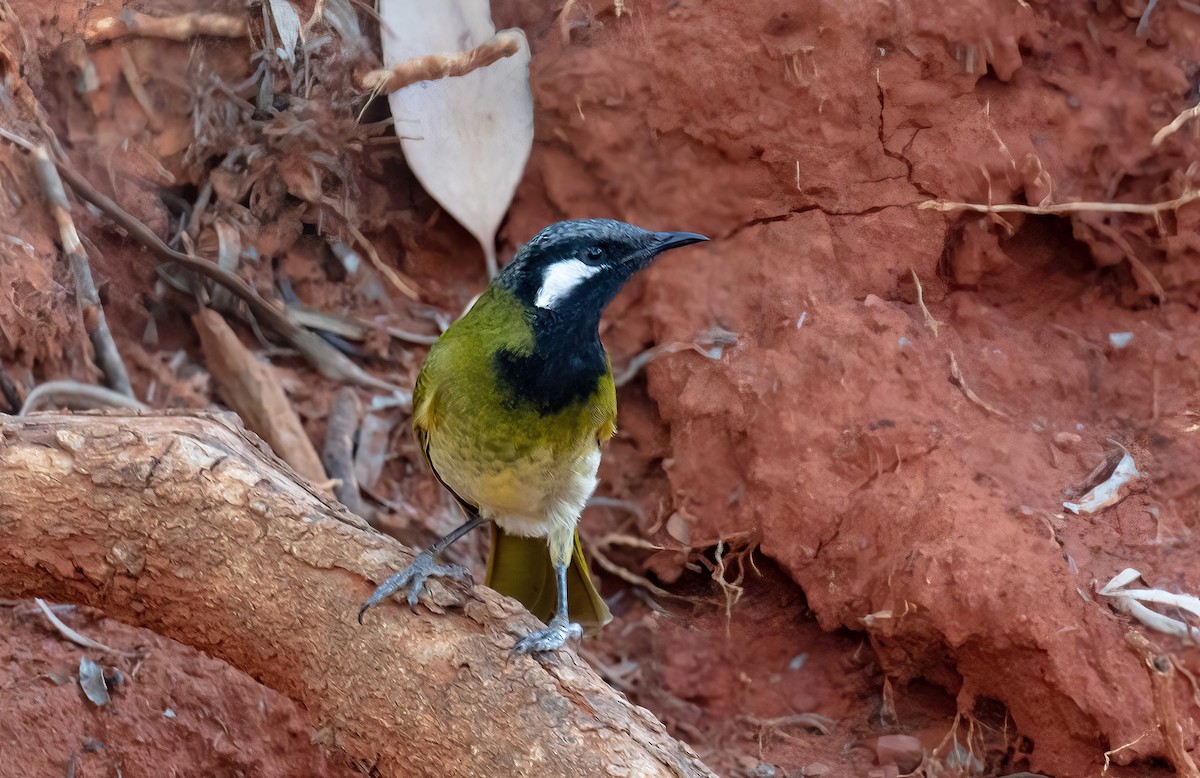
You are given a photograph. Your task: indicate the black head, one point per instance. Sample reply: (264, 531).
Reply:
(573, 269)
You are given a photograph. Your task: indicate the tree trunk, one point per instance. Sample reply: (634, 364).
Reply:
(186, 525)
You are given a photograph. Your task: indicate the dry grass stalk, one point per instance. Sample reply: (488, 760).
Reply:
(930, 322)
(94, 323)
(253, 390)
(436, 66)
(138, 88)
(405, 288)
(1149, 209)
(630, 577)
(172, 28)
(73, 636)
(1136, 265)
(1176, 123)
(956, 378)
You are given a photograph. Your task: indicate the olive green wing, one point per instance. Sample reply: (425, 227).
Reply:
(425, 424)
(604, 407)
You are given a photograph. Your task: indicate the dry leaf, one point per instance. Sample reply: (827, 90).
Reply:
(1108, 493)
(287, 22)
(466, 138)
(91, 678)
(1130, 601)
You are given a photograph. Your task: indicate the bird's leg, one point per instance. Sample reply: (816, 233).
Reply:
(560, 628)
(424, 566)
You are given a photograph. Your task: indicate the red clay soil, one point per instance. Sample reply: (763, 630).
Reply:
(860, 500)
(173, 710)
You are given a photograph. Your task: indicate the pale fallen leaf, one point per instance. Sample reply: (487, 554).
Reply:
(466, 138)
(91, 678)
(1108, 493)
(287, 23)
(1130, 601)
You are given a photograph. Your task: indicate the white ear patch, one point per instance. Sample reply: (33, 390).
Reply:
(561, 279)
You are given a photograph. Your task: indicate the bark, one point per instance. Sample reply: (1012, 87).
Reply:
(186, 525)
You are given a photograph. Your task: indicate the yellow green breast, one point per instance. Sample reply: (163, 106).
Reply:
(491, 434)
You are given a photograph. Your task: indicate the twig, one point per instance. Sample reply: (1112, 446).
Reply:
(138, 89)
(930, 322)
(172, 28)
(72, 635)
(1061, 208)
(436, 66)
(718, 338)
(633, 578)
(391, 275)
(1139, 268)
(1162, 683)
(94, 322)
(956, 378)
(814, 721)
(77, 396)
(338, 451)
(1176, 123)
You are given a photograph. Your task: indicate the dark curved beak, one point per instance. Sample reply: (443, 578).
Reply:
(673, 240)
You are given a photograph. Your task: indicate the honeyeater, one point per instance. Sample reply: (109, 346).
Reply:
(510, 409)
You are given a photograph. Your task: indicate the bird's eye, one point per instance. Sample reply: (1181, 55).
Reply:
(593, 253)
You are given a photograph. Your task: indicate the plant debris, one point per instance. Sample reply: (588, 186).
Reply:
(91, 680)
(466, 139)
(252, 388)
(1109, 492)
(1130, 601)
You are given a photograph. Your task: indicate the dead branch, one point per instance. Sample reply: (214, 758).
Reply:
(108, 359)
(253, 390)
(172, 28)
(436, 66)
(338, 451)
(184, 525)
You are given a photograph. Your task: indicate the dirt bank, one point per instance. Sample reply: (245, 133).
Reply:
(875, 469)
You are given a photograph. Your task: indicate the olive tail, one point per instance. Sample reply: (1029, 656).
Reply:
(521, 568)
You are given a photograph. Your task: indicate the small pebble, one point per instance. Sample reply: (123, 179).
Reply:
(1120, 340)
(1066, 440)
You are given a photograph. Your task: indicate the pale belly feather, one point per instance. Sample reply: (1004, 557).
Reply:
(537, 492)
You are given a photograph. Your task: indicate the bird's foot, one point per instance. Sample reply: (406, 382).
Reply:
(555, 635)
(413, 577)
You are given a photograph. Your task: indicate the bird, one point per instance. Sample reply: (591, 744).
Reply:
(510, 409)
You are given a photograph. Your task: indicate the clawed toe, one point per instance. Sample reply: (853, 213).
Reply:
(413, 578)
(552, 637)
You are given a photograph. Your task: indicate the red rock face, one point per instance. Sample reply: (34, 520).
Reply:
(803, 136)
